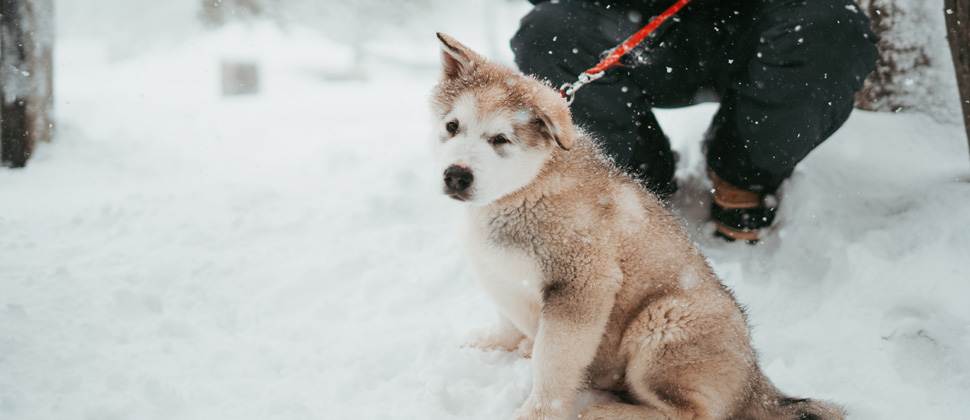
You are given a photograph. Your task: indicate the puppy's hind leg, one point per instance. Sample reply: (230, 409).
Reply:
(685, 360)
(501, 336)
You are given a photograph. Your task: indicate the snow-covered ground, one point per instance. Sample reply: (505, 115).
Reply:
(175, 254)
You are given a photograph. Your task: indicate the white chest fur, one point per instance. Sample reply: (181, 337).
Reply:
(511, 277)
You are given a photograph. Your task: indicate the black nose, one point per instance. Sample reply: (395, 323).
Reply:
(458, 178)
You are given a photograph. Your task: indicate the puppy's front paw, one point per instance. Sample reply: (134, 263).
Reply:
(529, 411)
(526, 414)
(525, 347)
(494, 338)
(536, 410)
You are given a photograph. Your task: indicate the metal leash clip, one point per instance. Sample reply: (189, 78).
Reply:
(568, 90)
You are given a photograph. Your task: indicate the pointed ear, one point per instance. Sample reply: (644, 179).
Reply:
(560, 131)
(456, 59)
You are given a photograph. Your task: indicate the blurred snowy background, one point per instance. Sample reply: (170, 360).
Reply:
(179, 254)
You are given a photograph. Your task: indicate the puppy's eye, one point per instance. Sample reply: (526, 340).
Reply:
(499, 140)
(452, 127)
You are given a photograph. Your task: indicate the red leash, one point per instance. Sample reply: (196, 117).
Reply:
(568, 90)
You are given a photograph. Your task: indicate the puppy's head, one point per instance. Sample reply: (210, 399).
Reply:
(495, 128)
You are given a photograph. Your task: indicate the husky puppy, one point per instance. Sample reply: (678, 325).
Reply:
(592, 276)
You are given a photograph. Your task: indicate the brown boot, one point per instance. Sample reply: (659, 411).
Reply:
(739, 214)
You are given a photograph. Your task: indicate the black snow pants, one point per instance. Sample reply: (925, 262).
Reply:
(784, 71)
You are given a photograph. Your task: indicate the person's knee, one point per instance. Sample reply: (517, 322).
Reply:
(853, 43)
(828, 38)
(813, 53)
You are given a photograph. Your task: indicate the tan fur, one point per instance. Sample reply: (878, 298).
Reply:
(600, 280)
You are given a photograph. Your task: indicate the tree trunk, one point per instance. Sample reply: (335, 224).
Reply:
(958, 33)
(913, 72)
(26, 83)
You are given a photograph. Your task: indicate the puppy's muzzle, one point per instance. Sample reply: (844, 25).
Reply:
(457, 180)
